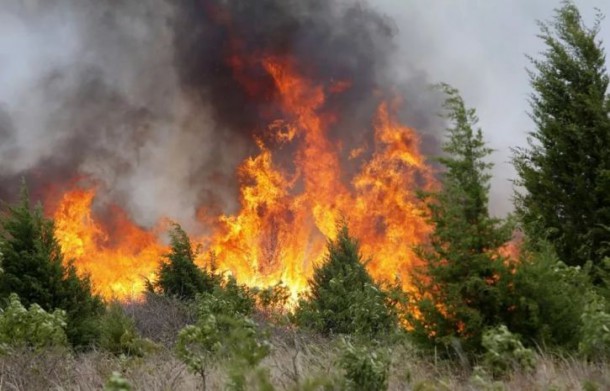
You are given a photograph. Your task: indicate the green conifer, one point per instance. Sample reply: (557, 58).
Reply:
(565, 171)
(343, 298)
(34, 268)
(460, 290)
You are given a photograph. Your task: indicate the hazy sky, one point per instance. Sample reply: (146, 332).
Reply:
(479, 46)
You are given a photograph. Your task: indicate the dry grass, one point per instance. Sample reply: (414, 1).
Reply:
(160, 318)
(62, 370)
(295, 357)
(551, 373)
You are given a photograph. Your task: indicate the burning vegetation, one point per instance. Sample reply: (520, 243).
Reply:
(286, 215)
(232, 179)
(304, 86)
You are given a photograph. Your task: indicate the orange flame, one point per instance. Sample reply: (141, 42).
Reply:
(117, 264)
(280, 232)
(286, 216)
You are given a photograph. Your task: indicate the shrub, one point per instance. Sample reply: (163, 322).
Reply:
(343, 298)
(273, 298)
(33, 327)
(246, 348)
(222, 335)
(365, 368)
(234, 297)
(595, 342)
(117, 383)
(119, 334)
(546, 300)
(178, 275)
(481, 380)
(34, 268)
(504, 351)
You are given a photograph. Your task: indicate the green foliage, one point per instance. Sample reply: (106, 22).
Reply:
(595, 343)
(504, 351)
(601, 272)
(566, 168)
(460, 290)
(33, 327)
(365, 368)
(227, 297)
(222, 335)
(178, 275)
(247, 349)
(273, 298)
(197, 345)
(236, 298)
(119, 335)
(35, 270)
(320, 383)
(117, 383)
(590, 385)
(482, 380)
(546, 299)
(343, 297)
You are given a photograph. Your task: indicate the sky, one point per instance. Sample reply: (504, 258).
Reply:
(480, 47)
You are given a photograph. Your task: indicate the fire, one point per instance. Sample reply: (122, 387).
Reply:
(117, 264)
(281, 232)
(286, 215)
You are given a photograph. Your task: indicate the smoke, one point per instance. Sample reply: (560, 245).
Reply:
(141, 98)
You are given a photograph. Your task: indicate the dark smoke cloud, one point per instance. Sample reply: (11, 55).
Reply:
(140, 97)
(328, 40)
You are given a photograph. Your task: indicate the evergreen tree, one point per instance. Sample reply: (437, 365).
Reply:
(343, 297)
(460, 289)
(546, 299)
(565, 170)
(34, 269)
(178, 275)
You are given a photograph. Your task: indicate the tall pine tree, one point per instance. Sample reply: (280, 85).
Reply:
(460, 289)
(34, 268)
(565, 170)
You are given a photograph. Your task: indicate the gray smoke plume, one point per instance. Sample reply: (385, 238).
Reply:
(139, 98)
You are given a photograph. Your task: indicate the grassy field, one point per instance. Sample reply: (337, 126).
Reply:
(296, 358)
(292, 362)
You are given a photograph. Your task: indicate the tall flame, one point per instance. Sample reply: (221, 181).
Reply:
(118, 264)
(286, 216)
